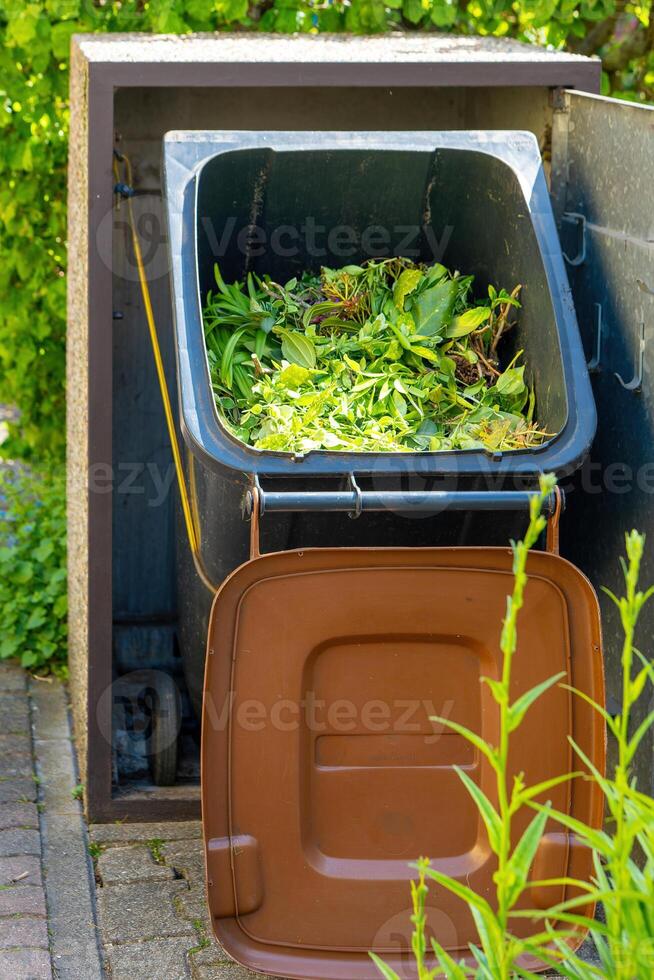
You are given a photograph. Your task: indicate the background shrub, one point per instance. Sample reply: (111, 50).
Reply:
(33, 569)
(34, 130)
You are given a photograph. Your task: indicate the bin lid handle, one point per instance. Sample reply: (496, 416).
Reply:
(552, 539)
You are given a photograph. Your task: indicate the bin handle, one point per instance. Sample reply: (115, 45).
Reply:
(255, 542)
(125, 190)
(552, 535)
(254, 505)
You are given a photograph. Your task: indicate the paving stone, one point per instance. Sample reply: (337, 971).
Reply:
(142, 911)
(50, 708)
(164, 959)
(17, 790)
(19, 815)
(25, 964)
(55, 767)
(13, 744)
(22, 899)
(19, 841)
(15, 714)
(187, 857)
(214, 964)
(69, 888)
(24, 931)
(12, 869)
(128, 833)
(12, 678)
(16, 764)
(122, 865)
(192, 905)
(212, 955)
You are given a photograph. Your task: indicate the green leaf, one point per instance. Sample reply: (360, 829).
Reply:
(298, 349)
(432, 308)
(511, 382)
(519, 708)
(467, 322)
(294, 376)
(523, 855)
(227, 362)
(470, 736)
(405, 285)
(385, 970)
(487, 811)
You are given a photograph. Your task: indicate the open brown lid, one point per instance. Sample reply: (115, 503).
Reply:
(322, 774)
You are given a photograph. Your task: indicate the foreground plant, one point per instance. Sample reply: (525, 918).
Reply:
(386, 356)
(500, 952)
(623, 853)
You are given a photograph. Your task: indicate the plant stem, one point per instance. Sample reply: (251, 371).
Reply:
(508, 646)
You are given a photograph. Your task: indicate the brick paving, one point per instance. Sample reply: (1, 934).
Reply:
(151, 906)
(24, 942)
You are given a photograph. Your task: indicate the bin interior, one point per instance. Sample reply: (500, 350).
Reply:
(323, 773)
(286, 211)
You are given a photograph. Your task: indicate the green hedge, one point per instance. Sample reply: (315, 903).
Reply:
(33, 569)
(34, 127)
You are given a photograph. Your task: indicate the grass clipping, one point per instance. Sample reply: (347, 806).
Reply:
(389, 356)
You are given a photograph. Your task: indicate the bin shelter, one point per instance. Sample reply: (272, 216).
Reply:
(126, 93)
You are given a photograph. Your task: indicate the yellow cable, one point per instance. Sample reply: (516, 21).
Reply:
(191, 533)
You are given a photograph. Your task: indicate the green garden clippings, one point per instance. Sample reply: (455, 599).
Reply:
(388, 356)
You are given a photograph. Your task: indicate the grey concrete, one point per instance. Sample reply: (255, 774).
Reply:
(20, 869)
(22, 790)
(15, 715)
(19, 815)
(142, 911)
(117, 833)
(22, 899)
(16, 840)
(163, 959)
(25, 964)
(125, 865)
(68, 870)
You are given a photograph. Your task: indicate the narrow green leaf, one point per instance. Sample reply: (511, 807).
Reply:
(487, 811)
(519, 708)
(385, 970)
(523, 855)
(470, 736)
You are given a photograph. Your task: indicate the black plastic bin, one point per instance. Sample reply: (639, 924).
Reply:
(282, 202)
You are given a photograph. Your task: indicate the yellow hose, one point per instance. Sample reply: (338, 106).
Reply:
(191, 532)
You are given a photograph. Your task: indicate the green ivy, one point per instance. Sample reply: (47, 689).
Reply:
(33, 570)
(34, 131)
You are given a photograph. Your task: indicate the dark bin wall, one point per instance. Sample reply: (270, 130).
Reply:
(472, 202)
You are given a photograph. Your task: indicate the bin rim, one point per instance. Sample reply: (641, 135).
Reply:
(187, 152)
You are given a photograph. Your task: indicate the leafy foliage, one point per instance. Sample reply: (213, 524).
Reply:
(33, 570)
(624, 853)
(388, 356)
(34, 125)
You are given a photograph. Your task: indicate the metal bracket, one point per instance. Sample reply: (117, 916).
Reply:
(594, 364)
(636, 382)
(358, 506)
(574, 217)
